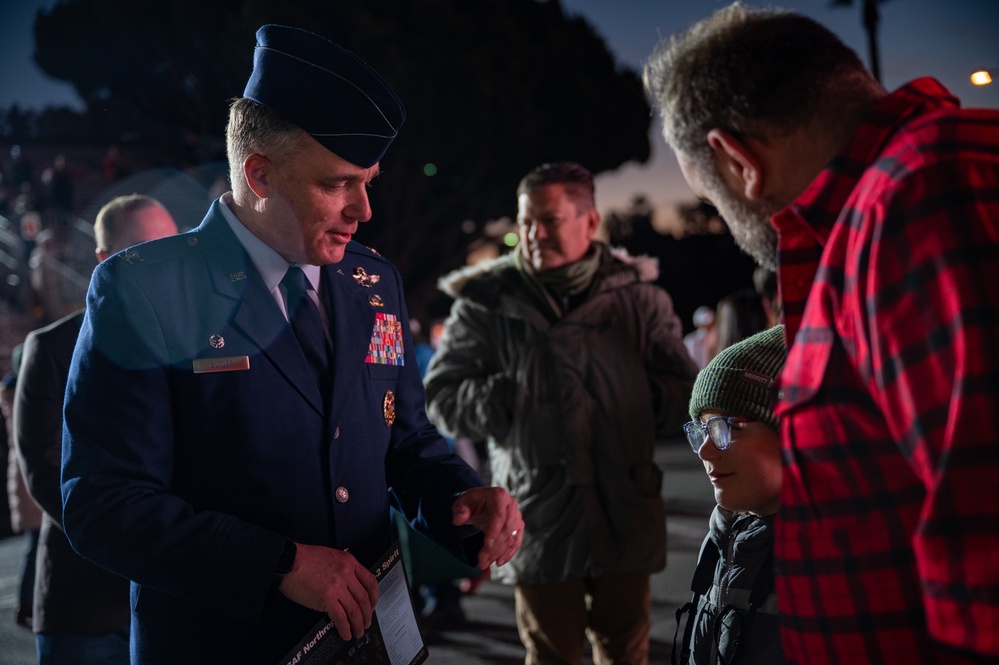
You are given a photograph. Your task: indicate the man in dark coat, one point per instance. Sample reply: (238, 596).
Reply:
(80, 609)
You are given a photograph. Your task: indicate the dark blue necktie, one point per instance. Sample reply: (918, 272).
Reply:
(307, 325)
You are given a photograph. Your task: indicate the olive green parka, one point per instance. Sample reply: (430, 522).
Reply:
(571, 407)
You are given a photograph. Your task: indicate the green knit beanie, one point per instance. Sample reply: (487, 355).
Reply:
(740, 379)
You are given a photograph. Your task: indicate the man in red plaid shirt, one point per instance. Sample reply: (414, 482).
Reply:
(883, 209)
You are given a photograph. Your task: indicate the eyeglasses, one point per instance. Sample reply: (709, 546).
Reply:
(718, 429)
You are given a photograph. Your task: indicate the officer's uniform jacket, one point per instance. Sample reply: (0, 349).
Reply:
(197, 443)
(570, 406)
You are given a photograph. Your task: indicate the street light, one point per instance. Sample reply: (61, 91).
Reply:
(981, 77)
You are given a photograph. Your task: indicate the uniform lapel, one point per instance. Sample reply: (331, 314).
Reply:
(259, 318)
(257, 315)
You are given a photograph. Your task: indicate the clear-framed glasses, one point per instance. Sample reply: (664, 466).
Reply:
(718, 429)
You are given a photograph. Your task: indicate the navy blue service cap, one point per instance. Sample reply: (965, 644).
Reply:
(326, 90)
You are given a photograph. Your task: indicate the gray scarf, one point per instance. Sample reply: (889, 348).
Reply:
(557, 287)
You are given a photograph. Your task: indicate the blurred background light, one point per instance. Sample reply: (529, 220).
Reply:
(981, 77)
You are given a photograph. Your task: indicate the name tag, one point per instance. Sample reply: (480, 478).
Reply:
(230, 364)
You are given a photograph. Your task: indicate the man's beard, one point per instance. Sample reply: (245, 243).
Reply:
(750, 225)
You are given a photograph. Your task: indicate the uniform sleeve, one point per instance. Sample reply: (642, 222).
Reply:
(670, 370)
(933, 325)
(38, 424)
(467, 392)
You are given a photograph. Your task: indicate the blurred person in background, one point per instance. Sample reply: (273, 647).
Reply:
(737, 316)
(25, 515)
(569, 361)
(81, 611)
(765, 284)
(702, 341)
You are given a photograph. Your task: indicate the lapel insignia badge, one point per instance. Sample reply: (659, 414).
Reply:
(388, 408)
(131, 256)
(237, 276)
(364, 279)
(216, 341)
(376, 301)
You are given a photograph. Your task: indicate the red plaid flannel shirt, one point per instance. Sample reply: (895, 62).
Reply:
(888, 535)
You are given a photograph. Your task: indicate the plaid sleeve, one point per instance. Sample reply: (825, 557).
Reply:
(932, 302)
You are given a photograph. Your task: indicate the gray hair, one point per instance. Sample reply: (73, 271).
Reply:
(253, 127)
(752, 72)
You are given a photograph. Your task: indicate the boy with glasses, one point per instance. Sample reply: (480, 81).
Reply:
(734, 432)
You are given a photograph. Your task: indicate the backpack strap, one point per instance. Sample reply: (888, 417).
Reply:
(704, 575)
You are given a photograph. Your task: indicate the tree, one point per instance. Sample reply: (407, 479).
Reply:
(870, 17)
(492, 88)
(700, 268)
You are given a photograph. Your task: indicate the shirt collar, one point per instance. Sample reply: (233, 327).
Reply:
(819, 206)
(804, 226)
(271, 265)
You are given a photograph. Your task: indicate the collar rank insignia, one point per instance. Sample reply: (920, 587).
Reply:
(131, 256)
(364, 279)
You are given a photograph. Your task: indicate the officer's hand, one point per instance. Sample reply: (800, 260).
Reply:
(494, 512)
(333, 582)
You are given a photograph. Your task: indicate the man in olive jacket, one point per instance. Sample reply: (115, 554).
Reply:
(569, 362)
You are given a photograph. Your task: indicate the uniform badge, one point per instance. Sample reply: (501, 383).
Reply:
(388, 408)
(362, 277)
(216, 341)
(230, 364)
(385, 347)
(131, 256)
(376, 301)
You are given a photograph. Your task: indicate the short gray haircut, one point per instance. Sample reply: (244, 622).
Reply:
(253, 127)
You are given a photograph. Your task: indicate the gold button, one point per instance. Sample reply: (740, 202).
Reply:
(342, 495)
